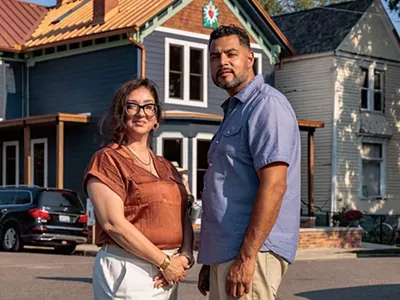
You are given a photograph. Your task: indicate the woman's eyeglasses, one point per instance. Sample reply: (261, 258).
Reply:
(132, 109)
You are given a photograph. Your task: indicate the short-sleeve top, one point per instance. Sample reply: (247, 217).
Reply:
(156, 206)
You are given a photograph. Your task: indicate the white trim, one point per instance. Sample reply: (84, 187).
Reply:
(259, 62)
(195, 35)
(363, 57)
(336, 114)
(382, 142)
(186, 73)
(202, 137)
(371, 86)
(174, 135)
(5, 145)
(307, 56)
(45, 173)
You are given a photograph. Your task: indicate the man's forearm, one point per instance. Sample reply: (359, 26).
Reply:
(265, 212)
(187, 245)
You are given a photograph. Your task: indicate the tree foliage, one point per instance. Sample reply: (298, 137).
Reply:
(394, 5)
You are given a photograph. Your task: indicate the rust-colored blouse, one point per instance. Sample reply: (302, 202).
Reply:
(155, 206)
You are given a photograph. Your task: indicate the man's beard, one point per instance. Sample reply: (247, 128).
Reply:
(228, 85)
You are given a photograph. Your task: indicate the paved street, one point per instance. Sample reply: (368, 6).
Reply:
(42, 275)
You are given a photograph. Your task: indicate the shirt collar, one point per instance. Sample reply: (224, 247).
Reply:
(247, 90)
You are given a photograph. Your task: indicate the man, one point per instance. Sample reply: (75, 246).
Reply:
(251, 199)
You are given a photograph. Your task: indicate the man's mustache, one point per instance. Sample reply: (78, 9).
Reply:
(224, 70)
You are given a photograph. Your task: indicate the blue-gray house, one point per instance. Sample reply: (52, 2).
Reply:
(57, 79)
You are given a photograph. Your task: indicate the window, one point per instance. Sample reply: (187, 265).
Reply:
(373, 171)
(6, 198)
(201, 144)
(372, 89)
(185, 73)
(11, 163)
(174, 147)
(22, 197)
(257, 66)
(39, 162)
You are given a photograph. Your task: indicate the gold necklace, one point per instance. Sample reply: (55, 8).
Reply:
(137, 157)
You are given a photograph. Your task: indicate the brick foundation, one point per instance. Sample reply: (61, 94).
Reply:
(319, 237)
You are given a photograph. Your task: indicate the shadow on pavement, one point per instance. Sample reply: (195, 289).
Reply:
(368, 292)
(75, 279)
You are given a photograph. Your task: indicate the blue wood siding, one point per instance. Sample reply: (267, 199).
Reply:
(155, 70)
(78, 84)
(15, 104)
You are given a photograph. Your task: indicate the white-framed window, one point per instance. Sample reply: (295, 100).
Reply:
(39, 162)
(200, 145)
(174, 147)
(257, 66)
(185, 73)
(372, 83)
(10, 163)
(373, 169)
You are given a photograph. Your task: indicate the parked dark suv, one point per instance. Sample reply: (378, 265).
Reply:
(31, 215)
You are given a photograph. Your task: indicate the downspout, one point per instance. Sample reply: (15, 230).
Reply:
(27, 89)
(143, 51)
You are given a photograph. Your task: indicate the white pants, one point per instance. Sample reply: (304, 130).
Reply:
(118, 274)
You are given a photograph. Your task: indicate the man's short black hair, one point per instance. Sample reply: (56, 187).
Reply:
(223, 31)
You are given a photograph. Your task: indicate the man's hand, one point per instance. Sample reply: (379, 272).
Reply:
(203, 283)
(239, 277)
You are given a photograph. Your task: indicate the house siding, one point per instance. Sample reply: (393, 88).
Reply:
(78, 84)
(155, 70)
(308, 84)
(349, 142)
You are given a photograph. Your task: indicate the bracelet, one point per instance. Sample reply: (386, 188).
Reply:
(165, 264)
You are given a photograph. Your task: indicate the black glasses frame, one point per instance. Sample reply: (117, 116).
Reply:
(156, 106)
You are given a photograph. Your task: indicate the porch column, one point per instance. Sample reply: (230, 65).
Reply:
(60, 155)
(27, 155)
(311, 172)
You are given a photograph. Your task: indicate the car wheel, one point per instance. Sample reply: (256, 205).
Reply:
(11, 240)
(67, 250)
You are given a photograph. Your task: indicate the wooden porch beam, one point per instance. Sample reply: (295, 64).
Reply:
(311, 172)
(60, 155)
(27, 155)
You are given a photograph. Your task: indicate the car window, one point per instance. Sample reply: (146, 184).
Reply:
(22, 197)
(6, 197)
(60, 200)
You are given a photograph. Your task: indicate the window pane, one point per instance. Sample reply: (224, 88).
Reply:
(38, 164)
(172, 149)
(371, 178)
(6, 198)
(202, 165)
(371, 150)
(11, 156)
(364, 98)
(377, 80)
(365, 77)
(176, 58)
(196, 61)
(255, 66)
(175, 85)
(22, 198)
(195, 88)
(378, 101)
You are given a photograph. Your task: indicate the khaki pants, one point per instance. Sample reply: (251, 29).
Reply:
(269, 271)
(117, 274)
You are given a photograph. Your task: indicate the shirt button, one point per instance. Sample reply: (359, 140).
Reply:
(210, 164)
(228, 132)
(217, 141)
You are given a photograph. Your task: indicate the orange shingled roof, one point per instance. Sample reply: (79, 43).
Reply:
(129, 15)
(18, 20)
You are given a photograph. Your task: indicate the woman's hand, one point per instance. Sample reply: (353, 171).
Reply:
(174, 273)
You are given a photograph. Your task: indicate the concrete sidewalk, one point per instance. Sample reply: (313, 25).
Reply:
(366, 250)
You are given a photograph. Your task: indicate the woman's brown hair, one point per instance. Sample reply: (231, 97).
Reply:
(113, 125)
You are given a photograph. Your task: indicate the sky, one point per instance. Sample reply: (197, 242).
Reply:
(394, 16)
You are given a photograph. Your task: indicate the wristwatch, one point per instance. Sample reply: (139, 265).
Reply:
(190, 258)
(165, 264)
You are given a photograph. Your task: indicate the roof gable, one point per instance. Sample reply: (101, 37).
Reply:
(17, 22)
(321, 29)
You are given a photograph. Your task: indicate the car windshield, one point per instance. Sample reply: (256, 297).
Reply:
(60, 201)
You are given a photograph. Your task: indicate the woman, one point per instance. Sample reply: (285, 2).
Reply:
(141, 205)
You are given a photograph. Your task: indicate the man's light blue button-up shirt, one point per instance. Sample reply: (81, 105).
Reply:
(259, 128)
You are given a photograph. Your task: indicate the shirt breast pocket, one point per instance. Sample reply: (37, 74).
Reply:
(231, 142)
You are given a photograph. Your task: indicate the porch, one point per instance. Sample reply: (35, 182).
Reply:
(38, 122)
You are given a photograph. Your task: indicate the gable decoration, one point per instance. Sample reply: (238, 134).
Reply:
(210, 15)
